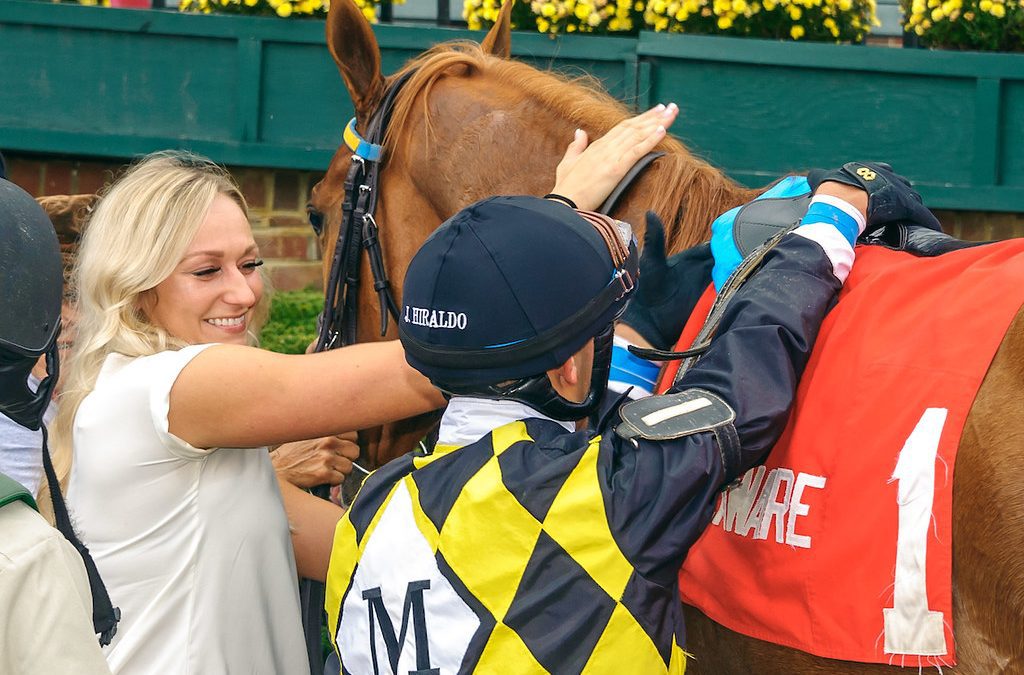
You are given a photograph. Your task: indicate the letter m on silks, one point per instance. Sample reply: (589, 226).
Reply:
(412, 609)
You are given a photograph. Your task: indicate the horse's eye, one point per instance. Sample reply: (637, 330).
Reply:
(316, 220)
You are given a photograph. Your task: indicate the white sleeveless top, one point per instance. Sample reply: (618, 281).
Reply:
(193, 544)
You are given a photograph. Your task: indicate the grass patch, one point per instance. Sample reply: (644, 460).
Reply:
(292, 324)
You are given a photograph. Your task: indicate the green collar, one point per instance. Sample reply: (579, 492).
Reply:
(12, 491)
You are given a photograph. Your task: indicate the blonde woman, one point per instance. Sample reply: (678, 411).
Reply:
(166, 411)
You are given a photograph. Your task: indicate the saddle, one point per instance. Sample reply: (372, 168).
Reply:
(761, 220)
(758, 225)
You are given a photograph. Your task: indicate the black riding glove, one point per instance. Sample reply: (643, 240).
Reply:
(891, 199)
(667, 290)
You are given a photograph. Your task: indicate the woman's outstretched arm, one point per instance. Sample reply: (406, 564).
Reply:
(233, 396)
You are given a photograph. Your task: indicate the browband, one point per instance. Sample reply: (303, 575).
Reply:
(359, 145)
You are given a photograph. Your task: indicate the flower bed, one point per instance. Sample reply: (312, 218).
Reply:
(984, 25)
(236, 88)
(808, 20)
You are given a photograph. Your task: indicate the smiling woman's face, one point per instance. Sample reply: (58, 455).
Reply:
(210, 295)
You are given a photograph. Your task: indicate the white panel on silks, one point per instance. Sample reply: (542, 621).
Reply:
(400, 607)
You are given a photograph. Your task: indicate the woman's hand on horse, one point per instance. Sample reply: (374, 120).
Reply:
(589, 172)
(320, 461)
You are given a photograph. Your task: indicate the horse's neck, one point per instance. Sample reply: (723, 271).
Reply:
(473, 149)
(686, 193)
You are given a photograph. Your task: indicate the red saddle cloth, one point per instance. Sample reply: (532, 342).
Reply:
(840, 545)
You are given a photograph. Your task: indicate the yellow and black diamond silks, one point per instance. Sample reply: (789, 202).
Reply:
(497, 557)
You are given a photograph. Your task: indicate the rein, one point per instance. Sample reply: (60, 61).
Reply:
(358, 230)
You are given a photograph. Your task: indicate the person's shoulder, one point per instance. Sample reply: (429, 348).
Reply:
(24, 533)
(119, 365)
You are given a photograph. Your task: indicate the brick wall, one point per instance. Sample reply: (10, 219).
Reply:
(277, 203)
(277, 207)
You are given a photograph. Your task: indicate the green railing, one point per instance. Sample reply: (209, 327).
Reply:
(264, 92)
(954, 121)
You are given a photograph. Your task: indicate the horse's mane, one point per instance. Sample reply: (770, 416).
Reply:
(686, 191)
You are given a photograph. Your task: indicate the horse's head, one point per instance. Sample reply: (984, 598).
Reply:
(469, 123)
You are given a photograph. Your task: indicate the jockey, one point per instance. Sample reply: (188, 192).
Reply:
(44, 586)
(522, 541)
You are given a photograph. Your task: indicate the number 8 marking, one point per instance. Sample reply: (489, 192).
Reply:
(866, 173)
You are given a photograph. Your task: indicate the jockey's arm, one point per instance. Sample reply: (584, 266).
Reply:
(666, 488)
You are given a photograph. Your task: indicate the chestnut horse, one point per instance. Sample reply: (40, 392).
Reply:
(470, 123)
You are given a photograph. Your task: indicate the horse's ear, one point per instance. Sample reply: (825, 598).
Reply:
(499, 39)
(354, 47)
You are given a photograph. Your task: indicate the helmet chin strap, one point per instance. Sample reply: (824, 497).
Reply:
(538, 392)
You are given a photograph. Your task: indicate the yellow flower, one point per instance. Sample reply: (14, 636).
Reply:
(594, 19)
(543, 25)
(739, 6)
(795, 13)
(845, 5)
(919, 30)
(998, 11)
(985, 5)
(937, 14)
(284, 10)
(368, 12)
(582, 12)
(639, 6)
(251, 3)
(796, 32)
(724, 22)
(769, 5)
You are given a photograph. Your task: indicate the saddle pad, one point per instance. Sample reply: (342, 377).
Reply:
(840, 545)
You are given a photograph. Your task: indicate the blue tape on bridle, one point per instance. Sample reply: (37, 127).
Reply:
(359, 145)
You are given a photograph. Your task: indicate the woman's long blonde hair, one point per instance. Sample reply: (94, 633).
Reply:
(136, 236)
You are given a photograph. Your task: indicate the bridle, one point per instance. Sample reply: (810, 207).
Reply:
(338, 322)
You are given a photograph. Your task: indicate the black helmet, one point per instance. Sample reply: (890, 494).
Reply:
(510, 288)
(31, 286)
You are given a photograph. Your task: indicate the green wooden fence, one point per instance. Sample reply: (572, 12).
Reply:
(264, 92)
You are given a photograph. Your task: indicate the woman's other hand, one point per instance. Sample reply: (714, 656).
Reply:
(320, 461)
(589, 172)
